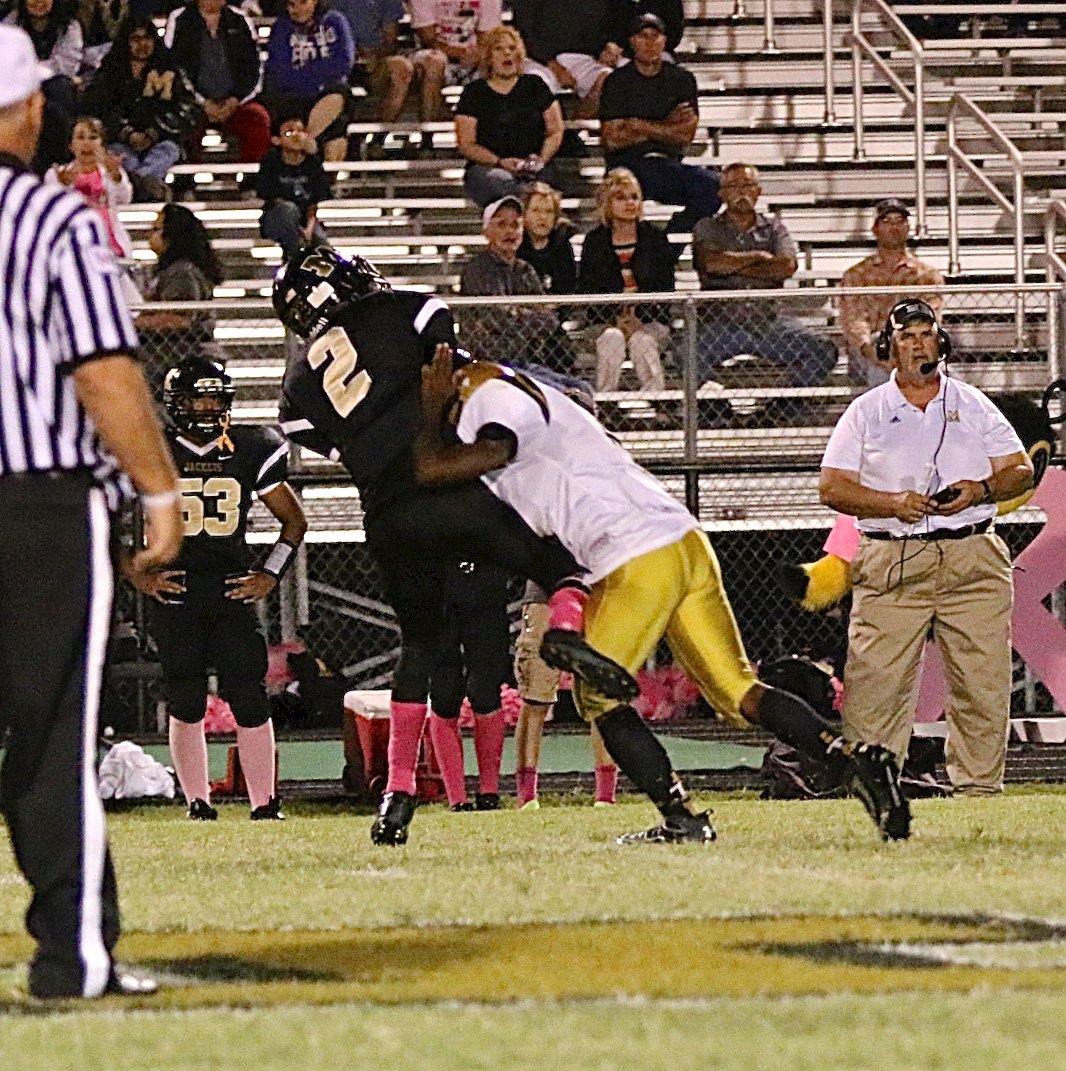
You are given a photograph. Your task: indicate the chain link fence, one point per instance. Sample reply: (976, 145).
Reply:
(729, 399)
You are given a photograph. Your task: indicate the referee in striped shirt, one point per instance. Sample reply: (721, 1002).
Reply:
(76, 419)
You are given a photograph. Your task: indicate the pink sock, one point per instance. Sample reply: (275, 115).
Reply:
(448, 747)
(256, 749)
(406, 721)
(489, 731)
(525, 779)
(188, 750)
(567, 607)
(606, 783)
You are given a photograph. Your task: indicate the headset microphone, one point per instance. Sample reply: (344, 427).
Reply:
(904, 313)
(928, 366)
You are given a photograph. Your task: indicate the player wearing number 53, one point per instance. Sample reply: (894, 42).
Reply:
(202, 615)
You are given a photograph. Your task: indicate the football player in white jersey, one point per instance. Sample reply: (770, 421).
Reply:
(652, 571)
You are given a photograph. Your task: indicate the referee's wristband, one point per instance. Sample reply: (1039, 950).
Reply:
(160, 499)
(988, 491)
(279, 559)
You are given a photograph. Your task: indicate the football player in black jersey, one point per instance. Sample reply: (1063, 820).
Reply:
(355, 397)
(203, 614)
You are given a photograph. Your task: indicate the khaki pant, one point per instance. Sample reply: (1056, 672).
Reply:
(959, 590)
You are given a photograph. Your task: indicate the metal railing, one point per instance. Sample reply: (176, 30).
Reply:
(740, 11)
(862, 47)
(962, 108)
(1055, 270)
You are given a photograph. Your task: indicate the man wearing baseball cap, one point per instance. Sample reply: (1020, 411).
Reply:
(515, 334)
(893, 264)
(649, 113)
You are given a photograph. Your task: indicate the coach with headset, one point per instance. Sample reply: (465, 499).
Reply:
(921, 461)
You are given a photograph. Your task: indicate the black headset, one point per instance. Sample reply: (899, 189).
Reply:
(901, 315)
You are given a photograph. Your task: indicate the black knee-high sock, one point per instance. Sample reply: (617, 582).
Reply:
(794, 723)
(642, 758)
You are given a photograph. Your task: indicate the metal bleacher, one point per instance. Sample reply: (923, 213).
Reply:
(408, 213)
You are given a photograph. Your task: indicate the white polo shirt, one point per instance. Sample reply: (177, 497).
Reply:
(895, 446)
(569, 479)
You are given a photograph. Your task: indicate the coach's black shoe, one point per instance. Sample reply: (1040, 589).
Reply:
(394, 816)
(677, 829)
(570, 651)
(202, 811)
(487, 801)
(876, 782)
(462, 807)
(269, 812)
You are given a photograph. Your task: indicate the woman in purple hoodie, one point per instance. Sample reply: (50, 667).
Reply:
(309, 59)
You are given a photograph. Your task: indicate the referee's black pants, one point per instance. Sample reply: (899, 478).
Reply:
(56, 589)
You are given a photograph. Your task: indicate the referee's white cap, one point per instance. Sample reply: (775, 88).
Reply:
(22, 74)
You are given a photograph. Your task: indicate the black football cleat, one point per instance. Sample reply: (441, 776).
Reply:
(677, 829)
(875, 781)
(462, 807)
(269, 812)
(570, 651)
(394, 816)
(120, 983)
(202, 811)
(487, 801)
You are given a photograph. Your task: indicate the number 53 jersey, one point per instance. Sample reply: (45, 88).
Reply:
(355, 395)
(217, 486)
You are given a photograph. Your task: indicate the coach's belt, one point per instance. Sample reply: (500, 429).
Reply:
(937, 533)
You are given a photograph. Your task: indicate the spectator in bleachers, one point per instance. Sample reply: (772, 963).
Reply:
(216, 48)
(625, 254)
(546, 240)
(449, 33)
(374, 25)
(291, 181)
(672, 12)
(99, 21)
(187, 269)
(145, 104)
(573, 46)
(98, 176)
(862, 318)
(57, 40)
(522, 336)
(741, 249)
(649, 113)
(309, 61)
(508, 126)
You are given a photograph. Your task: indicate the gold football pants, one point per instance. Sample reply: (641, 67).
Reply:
(676, 592)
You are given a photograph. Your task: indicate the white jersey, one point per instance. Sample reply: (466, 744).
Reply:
(570, 480)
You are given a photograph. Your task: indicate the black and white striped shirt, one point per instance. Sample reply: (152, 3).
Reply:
(60, 304)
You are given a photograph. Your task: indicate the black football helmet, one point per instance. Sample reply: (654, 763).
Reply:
(192, 379)
(317, 283)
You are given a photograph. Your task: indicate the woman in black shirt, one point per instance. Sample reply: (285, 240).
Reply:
(624, 254)
(508, 125)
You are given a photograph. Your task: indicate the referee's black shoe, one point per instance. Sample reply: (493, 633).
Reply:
(570, 651)
(120, 983)
(875, 781)
(394, 816)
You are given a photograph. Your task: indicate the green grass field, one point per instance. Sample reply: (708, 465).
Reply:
(516, 940)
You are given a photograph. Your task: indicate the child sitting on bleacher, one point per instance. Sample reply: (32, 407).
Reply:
(292, 182)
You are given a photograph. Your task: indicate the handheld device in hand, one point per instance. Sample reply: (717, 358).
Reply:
(946, 495)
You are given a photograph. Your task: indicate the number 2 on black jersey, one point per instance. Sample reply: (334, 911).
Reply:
(344, 387)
